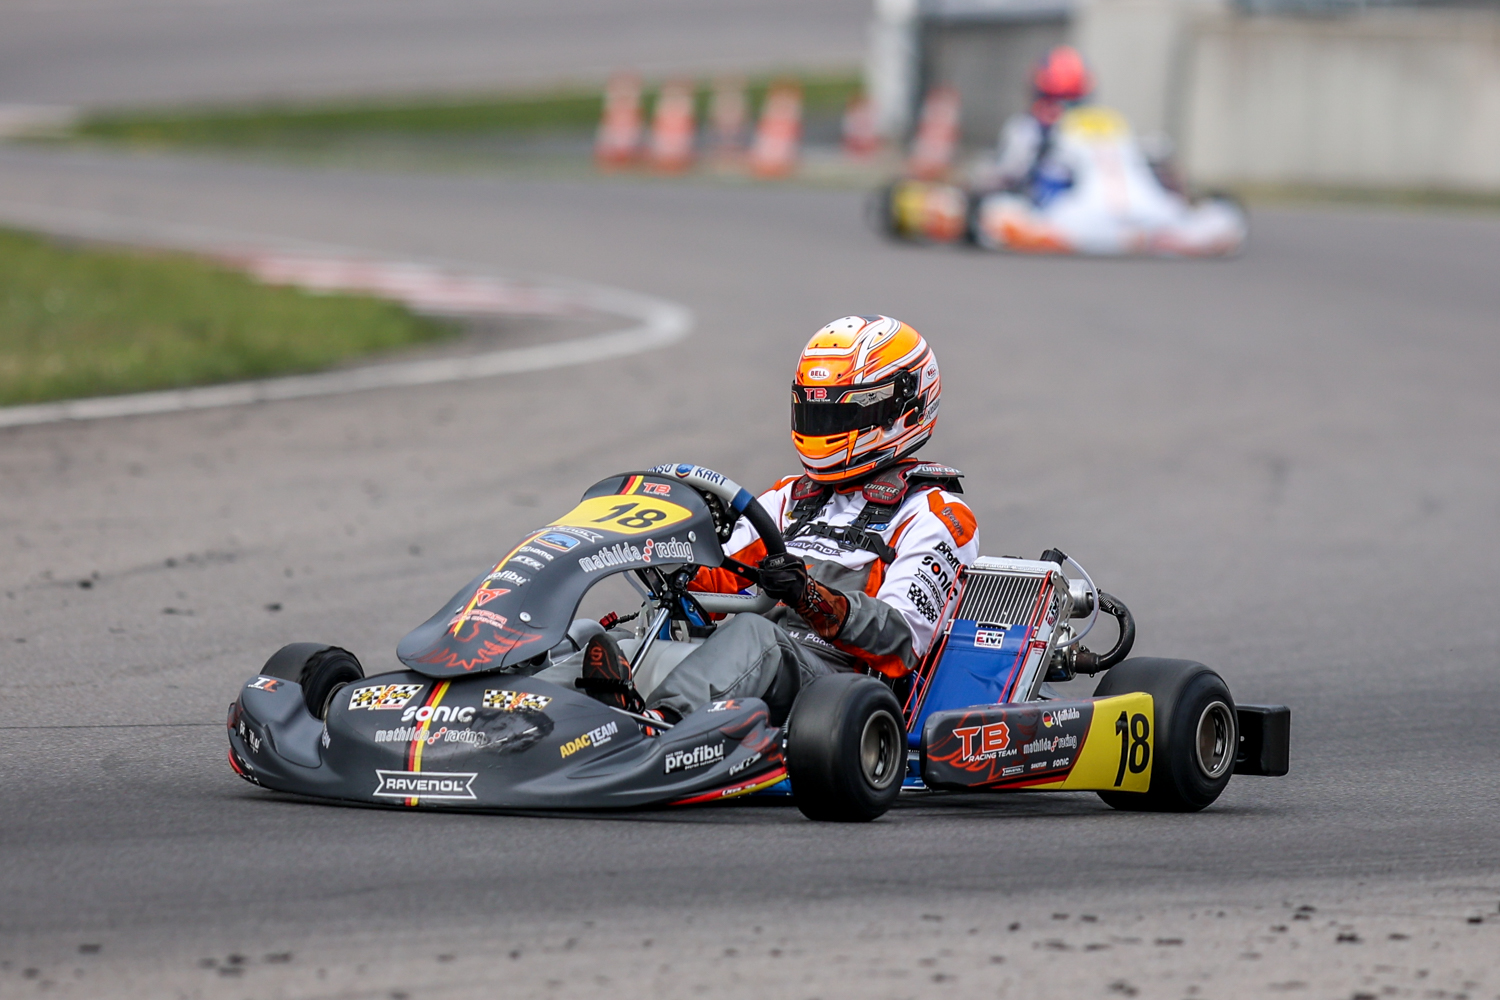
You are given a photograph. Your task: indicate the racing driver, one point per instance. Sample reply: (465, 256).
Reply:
(1027, 160)
(875, 538)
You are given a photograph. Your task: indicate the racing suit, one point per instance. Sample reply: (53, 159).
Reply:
(1029, 161)
(896, 563)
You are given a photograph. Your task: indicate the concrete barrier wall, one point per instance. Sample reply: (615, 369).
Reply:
(1396, 98)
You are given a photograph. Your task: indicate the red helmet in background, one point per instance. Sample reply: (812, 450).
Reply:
(1062, 76)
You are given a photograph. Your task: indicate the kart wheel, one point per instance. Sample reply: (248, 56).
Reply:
(845, 749)
(320, 670)
(1197, 733)
(881, 216)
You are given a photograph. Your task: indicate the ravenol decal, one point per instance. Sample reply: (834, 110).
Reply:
(440, 785)
(623, 515)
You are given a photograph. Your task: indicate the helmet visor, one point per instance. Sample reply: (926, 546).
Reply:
(818, 411)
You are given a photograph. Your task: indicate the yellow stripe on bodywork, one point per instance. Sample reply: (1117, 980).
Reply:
(420, 743)
(1098, 764)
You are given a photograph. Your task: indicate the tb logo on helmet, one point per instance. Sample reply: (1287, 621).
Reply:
(877, 401)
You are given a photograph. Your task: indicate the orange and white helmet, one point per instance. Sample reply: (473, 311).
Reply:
(865, 396)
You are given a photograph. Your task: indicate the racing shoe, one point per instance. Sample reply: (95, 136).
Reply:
(606, 675)
(666, 716)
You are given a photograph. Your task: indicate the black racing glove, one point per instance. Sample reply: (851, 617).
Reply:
(784, 577)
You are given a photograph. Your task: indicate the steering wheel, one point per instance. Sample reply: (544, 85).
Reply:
(742, 503)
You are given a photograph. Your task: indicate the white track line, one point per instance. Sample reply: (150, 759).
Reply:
(659, 323)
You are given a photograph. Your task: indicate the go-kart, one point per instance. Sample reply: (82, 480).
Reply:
(486, 714)
(1114, 201)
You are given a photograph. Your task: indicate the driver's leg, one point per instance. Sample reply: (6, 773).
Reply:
(746, 657)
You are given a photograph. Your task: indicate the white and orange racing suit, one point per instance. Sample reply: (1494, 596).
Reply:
(896, 564)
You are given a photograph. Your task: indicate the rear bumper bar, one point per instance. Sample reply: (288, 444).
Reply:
(1265, 740)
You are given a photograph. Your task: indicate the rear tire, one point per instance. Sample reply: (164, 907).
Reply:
(319, 668)
(845, 749)
(1197, 733)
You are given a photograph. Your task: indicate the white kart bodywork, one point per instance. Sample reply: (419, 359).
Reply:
(1115, 204)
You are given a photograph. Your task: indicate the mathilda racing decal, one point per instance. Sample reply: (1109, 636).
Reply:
(503, 721)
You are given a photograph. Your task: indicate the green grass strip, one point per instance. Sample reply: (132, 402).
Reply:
(84, 321)
(300, 125)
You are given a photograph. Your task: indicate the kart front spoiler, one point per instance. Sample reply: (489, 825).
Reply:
(495, 741)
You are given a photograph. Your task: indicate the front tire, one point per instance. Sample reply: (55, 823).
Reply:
(1197, 733)
(845, 749)
(319, 668)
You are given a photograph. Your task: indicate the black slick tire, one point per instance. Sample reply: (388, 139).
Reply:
(845, 749)
(1197, 733)
(318, 667)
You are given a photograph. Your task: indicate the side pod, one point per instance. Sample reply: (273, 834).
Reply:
(1265, 740)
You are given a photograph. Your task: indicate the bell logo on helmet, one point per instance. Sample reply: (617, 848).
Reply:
(817, 374)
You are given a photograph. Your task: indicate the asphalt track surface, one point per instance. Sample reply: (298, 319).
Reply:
(122, 52)
(1285, 464)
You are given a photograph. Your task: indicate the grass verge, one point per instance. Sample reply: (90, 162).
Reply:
(81, 321)
(521, 114)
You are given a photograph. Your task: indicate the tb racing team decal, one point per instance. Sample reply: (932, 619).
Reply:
(1006, 745)
(263, 684)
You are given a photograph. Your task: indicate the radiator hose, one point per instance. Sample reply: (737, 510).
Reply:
(1089, 662)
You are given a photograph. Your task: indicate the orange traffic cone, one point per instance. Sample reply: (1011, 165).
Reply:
(775, 151)
(937, 135)
(861, 138)
(619, 139)
(673, 128)
(729, 114)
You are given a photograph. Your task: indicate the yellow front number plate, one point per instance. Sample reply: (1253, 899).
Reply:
(1117, 755)
(624, 515)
